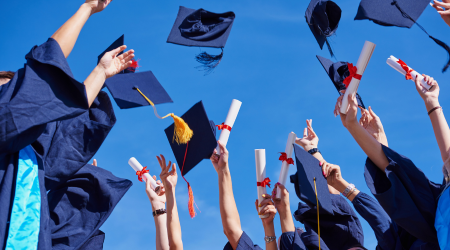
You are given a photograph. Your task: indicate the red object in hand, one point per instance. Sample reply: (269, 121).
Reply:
(407, 69)
(352, 69)
(141, 173)
(265, 182)
(283, 157)
(223, 126)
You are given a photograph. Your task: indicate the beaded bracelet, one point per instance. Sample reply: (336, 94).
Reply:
(348, 189)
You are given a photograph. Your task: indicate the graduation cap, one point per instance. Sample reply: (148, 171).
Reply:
(200, 147)
(201, 28)
(338, 72)
(310, 185)
(400, 13)
(116, 44)
(323, 18)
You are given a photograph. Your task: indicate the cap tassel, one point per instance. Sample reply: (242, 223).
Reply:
(191, 201)
(445, 46)
(182, 133)
(329, 48)
(317, 201)
(134, 65)
(209, 62)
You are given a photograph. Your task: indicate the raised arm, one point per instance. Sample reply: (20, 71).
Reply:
(169, 179)
(372, 124)
(68, 33)
(159, 205)
(283, 207)
(228, 211)
(437, 118)
(267, 208)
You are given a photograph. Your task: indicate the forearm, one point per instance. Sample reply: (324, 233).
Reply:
(318, 156)
(67, 35)
(173, 223)
(162, 241)
(286, 221)
(228, 210)
(369, 145)
(269, 230)
(94, 83)
(440, 128)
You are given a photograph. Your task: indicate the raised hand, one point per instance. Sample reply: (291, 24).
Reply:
(113, 64)
(157, 201)
(97, 5)
(349, 118)
(430, 97)
(310, 140)
(372, 124)
(282, 204)
(443, 8)
(168, 177)
(332, 173)
(220, 162)
(267, 208)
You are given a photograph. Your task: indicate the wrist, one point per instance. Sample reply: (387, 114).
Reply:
(87, 8)
(429, 104)
(158, 205)
(352, 124)
(309, 147)
(223, 172)
(269, 228)
(341, 185)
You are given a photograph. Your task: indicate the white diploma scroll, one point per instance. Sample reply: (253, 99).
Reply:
(260, 159)
(147, 177)
(393, 62)
(284, 165)
(231, 118)
(361, 65)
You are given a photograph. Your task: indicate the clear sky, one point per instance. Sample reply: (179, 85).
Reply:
(269, 65)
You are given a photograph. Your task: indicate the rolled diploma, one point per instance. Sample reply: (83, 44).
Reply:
(231, 118)
(285, 166)
(138, 167)
(260, 160)
(392, 61)
(361, 65)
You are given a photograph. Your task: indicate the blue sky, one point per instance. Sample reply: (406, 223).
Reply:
(269, 65)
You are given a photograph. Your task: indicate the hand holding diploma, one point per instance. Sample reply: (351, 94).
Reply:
(229, 122)
(143, 174)
(286, 160)
(261, 180)
(405, 70)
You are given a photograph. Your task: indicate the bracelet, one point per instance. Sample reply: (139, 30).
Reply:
(159, 212)
(348, 189)
(351, 192)
(313, 151)
(269, 239)
(433, 109)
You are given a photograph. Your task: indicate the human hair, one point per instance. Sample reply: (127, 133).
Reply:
(6, 75)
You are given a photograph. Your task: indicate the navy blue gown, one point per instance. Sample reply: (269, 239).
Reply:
(407, 196)
(245, 243)
(45, 107)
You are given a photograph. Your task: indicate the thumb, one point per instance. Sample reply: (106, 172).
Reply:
(115, 52)
(417, 82)
(222, 147)
(372, 113)
(94, 162)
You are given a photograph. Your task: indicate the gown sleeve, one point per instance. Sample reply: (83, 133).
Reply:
(245, 243)
(79, 206)
(385, 230)
(406, 194)
(42, 92)
(291, 241)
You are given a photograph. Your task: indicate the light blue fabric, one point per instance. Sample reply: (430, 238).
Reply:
(25, 214)
(443, 219)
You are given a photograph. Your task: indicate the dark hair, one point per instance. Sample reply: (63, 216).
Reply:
(6, 75)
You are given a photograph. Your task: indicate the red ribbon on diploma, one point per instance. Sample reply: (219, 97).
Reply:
(223, 126)
(407, 69)
(283, 157)
(264, 183)
(352, 69)
(141, 173)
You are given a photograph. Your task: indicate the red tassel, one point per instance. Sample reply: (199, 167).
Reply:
(134, 65)
(191, 202)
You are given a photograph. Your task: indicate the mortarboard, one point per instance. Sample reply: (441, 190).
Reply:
(400, 13)
(200, 147)
(116, 44)
(308, 179)
(338, 72)
(201, 28)
(323, 18)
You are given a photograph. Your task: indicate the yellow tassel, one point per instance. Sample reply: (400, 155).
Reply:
(317, 201)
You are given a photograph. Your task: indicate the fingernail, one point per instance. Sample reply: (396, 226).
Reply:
(320, 163)
(278, 183)
(259, 205)
(263, 195)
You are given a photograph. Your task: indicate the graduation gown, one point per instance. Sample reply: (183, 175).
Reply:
(407, 196)
(45, 107)
(245, 243)
(292, 241)
(341, 230)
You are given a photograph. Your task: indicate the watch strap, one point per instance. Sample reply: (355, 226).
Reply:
(313, 151)
(159, 212)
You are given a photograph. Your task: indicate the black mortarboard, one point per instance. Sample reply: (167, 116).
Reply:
(323, 18)
(201, 28)
(338, 72)
(116, 44)
(400, 13)
(123, 89)
(200, 147)
(308, 169)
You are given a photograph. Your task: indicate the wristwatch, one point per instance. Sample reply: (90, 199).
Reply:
(159, 212)
(269, 238)
(313, 151)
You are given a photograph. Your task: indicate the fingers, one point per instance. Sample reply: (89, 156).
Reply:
(268, 210)
(267, 201)
(159, 161)
(163, 160)
(94, 162)
(372, 113)
(116, 51)
(305, 132)
(441, 4)
(154, 178)
(338, 105)
(174, 170)
(222, 147)
(311, 132)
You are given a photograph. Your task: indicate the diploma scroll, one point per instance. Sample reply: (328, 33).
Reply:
(361, 65)
(394, 63)
(147, 177)
(229, 122)
(285, 165)
(260, 159)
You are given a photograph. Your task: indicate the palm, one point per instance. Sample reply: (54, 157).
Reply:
(113, 64)
(170, 181)
(310, 139)
(97, 5)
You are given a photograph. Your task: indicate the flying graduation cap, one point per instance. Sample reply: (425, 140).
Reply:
(200, 147)
(131, 90)
(338, 73)
(201, 28)
(400, 13)
(323, 18)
